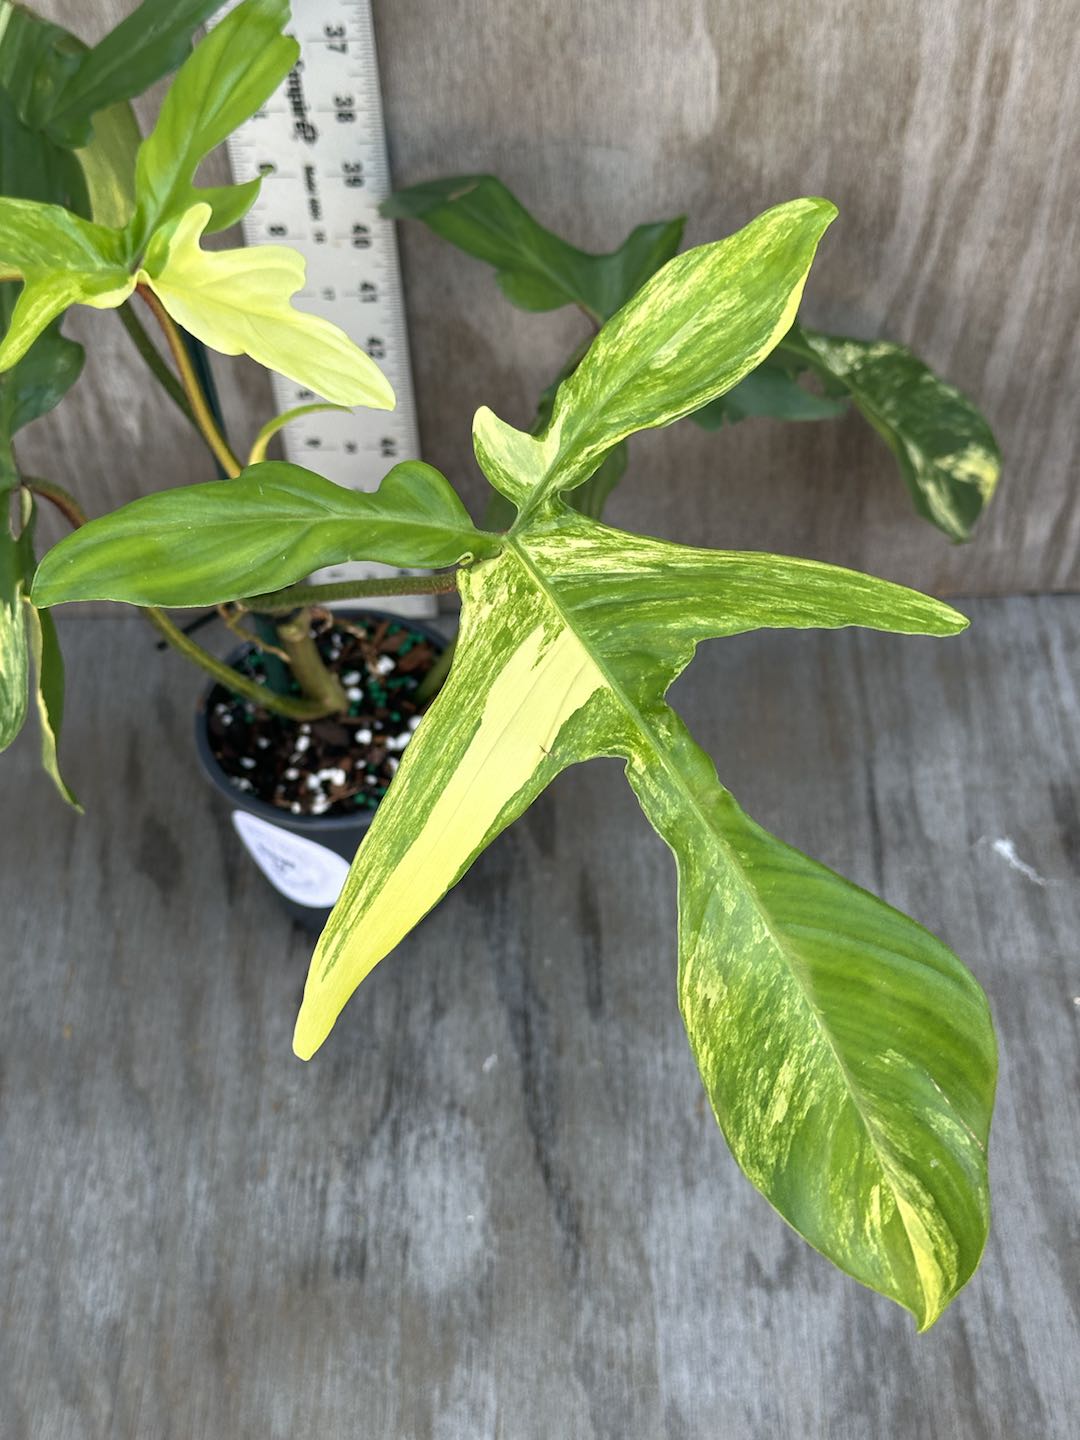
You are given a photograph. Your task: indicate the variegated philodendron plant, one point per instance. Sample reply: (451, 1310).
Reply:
(848, 1054)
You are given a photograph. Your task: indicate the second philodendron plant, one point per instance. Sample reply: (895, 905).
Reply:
(847, 1053)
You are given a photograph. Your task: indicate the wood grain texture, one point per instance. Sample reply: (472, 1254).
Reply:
(495, 1204)
(944, 131)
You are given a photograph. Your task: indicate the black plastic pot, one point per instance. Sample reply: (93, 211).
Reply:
(304, 857)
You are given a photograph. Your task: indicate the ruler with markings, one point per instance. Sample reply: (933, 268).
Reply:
(320, 143)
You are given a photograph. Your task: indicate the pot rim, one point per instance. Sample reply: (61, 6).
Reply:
(274, 814)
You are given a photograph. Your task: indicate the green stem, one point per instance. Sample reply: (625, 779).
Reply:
(231, 679)
(192, 389)
(149, 352)
(314, 678)
(277, 602)
(64, 501)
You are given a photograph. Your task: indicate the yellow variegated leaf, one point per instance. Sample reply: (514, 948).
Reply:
(848, 1055)
(504, 724)
(238, 302)
(690, 333)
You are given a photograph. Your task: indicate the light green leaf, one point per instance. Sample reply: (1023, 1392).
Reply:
(272, 525)
(146, 45)
(945, 449)
(771, 391)
(536, 270)
(237, 301)
(847, 1054)
(705, 320)
(63, 260)
(48, 667)
(229, 74)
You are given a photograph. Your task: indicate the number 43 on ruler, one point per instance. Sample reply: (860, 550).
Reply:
(321, 145)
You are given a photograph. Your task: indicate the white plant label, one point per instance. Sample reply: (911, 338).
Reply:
(320, 144)
(299, 869)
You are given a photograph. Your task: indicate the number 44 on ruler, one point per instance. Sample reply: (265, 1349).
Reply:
(321, 145)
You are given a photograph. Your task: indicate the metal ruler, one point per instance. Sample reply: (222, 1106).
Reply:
(321, 144)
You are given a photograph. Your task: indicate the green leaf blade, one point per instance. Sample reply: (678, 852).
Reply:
(848, 1055)
(944, 447)
(146, 45)
(272, 525)
(535, 269)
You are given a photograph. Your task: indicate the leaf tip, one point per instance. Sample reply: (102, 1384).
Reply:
(306, 1036)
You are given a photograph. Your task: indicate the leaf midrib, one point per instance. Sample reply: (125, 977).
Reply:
(794, 964)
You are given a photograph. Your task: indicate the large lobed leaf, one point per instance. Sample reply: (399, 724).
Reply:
(535, 269)
(272, 525)
(847, 1053)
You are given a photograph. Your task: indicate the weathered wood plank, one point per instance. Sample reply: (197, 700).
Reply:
(944, 130)
(495, 1204)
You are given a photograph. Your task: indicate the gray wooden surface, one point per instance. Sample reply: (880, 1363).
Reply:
(944, 129)
(495, 1205)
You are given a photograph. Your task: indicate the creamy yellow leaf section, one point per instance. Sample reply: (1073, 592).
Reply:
(490, 742)
(238, 302)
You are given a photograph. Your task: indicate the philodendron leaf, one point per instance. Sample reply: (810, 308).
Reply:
(847, 1054)
(229, 74)
(535, 269)
(63, 260)
(238, 302)
(945, 449)
(705, 320)
(272, 525)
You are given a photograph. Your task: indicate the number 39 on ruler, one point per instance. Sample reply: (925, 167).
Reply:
(321, 145)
